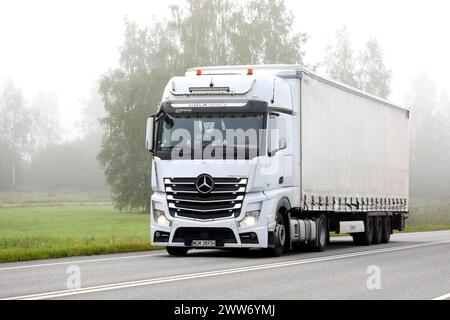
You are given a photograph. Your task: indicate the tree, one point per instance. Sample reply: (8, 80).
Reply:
(367, 71)
(262, 33)
(372, 74)
(45, 122)
(201, 28)
(200, 32)
(130, 93)
(73, 165)
(92, 113)
(218, 32)
(5, 171)
(444, 116)
(68, 166)
(339, 59)
(430, 140)
(15, 129)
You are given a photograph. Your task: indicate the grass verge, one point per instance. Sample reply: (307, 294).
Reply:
(55, 232)
(429, 215)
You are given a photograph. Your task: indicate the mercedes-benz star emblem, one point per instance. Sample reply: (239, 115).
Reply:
(204, 184)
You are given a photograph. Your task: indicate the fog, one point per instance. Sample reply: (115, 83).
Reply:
(63, 47)
(54, 53)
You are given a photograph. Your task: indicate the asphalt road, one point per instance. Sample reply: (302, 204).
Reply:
(412, 266)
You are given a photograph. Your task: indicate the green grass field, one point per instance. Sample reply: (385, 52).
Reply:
(53, 232)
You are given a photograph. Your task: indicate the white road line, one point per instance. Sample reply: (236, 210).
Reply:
(147, 282)
(444, 297)
(81, 261)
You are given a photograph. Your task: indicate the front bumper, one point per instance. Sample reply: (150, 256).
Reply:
(225, 232)
(205, 229)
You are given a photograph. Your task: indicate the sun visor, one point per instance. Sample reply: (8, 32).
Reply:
(251, 106)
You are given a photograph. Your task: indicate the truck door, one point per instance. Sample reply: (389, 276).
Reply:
(284, 125)
(280, 151)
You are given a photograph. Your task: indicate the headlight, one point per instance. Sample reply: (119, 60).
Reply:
(251, 218)
(160, 218)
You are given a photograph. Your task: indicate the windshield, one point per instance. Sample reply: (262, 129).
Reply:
(214, 136)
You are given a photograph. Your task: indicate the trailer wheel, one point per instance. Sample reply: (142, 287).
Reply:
(280, 238)
(387, 230)
(365, 238)
(377, 230)
(177, 251)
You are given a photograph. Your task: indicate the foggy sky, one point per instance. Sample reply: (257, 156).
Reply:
(63, 46)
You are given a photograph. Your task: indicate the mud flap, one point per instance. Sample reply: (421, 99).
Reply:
(399, 222)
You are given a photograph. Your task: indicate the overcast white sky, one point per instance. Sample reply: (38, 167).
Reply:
(63, 46)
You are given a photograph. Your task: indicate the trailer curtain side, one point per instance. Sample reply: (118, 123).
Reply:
(355, 150)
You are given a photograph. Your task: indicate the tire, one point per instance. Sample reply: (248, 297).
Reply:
(280, 238)
(177, 251)
(365, 238)
(387, 230)
(377, 230)
(322, 240)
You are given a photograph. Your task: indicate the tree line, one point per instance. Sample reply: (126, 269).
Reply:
(33, 156)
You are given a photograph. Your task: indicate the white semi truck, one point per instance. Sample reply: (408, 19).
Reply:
(274, 157)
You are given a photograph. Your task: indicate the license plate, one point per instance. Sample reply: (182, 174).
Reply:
(204, 243)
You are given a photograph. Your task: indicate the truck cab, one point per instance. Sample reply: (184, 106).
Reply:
(224, 157)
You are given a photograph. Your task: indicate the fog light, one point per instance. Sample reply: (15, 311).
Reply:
(160, 218)
(251, 219)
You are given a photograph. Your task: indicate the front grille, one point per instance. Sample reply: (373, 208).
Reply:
(221, 235)
(225, 200)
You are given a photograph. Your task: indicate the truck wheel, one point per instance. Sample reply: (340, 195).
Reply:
(177, 251)
(365, 238)
(387, 230)
(322, 235)
(377, 230)
(280, 238)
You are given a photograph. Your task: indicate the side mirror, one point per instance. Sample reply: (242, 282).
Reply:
(149, 135)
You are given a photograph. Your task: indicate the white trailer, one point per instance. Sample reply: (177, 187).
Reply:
(327, 157)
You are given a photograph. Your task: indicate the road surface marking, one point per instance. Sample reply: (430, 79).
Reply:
(444, 297)
(140, 283)
(81, 261)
